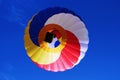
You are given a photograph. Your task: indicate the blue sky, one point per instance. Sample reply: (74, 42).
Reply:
(102, 60)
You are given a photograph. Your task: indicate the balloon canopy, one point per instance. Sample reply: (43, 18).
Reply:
(56, 39)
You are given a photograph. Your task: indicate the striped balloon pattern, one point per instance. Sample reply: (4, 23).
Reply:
(56, 39)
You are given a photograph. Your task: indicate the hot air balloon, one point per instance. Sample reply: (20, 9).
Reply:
(56, 39)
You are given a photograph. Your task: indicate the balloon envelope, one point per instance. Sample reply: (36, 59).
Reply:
(56, 39)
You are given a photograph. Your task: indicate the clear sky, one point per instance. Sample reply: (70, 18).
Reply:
(102, 60)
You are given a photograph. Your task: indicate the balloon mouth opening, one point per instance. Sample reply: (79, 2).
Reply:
(52, 36)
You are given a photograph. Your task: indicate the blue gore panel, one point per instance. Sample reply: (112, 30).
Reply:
(57, 43)
(40, 19)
